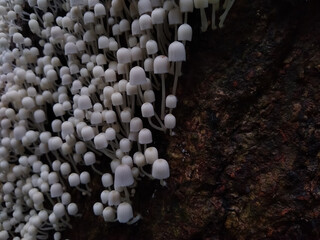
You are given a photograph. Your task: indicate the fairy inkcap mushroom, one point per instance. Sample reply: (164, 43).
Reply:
(170, 122)
(160, 170)
(108, 214)
(114, 198)
(97, 208)
(184, 32)
(137, 76)
(124, 212)
(176, 54)
(161, 66)
(145, 136)
(123, 176)
(107, 180)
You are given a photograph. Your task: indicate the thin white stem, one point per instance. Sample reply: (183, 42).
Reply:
(204, 21)
(176, 76)
(163, 99)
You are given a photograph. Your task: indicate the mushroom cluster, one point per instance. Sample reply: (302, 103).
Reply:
(80, 90)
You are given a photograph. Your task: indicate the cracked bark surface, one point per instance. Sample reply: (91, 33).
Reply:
(245, 158)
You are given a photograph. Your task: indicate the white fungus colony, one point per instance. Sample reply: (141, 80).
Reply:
(97, 69)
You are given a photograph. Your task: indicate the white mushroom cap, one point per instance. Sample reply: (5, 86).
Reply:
(103, 42)
(136, 54)
(100, 141)
(160, 169)
(147, 110)
(110, 74)
(175, 16)
(125, 145)
(123, 176)
(123, 55)
(59, 210)
(87, 133)
(97, 208)
(148, 64)
(186, 5)
(161, 64)
(99, 10)
(145, 136)
(139, 159)
(201, 3)
(158, 15)
(170, 121)
(185, 32)
(108, 214)
(125, 115)
(144, 6)
(114, 164)
(171, 101)
(66, 198)
(110, 116)
(136, 124)
(124, 212)
(177, 52)
(152, 47)
(4, 235)
(56, 190)
(107, 180)
(135, 28)
(84, 102)
(151, 154)
(85, 177)
(74, 179)
(124, 25)
(114, 198)
(126, 159)
(149, 96)
(110, 134)
(89, 158)
(72, 209)
(54, 143)
(137, 76)
(131, 89)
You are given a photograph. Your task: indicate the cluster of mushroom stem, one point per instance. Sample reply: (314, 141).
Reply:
(78, 97)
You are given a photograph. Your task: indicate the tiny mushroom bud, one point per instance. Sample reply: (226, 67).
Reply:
(124, 212)
(104, 196)
(72, 209)
(108, 214)
(107, 180)
(97, 208)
